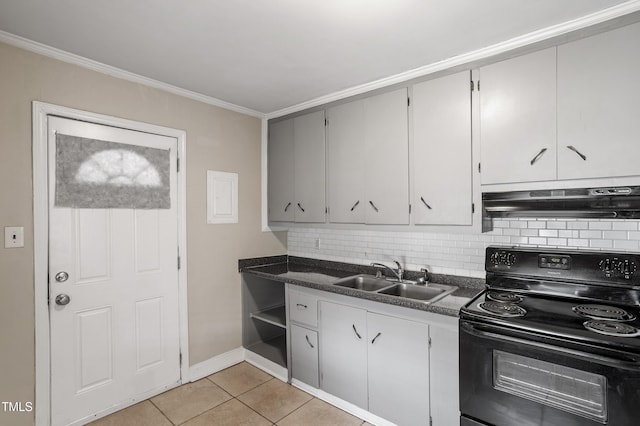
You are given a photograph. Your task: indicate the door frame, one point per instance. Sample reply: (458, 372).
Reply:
(40, 113)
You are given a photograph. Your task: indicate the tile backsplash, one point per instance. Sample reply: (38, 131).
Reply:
(460, 253)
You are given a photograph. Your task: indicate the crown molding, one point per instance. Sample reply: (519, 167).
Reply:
(61, 55)
(467, 58)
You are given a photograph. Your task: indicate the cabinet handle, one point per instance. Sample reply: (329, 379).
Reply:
(308, 341)
(287, 207)
(425, 203)
(581, 155)
(355, 205)
(374, 206)
(356, 331)
(300, 305)
(537, 157)
(375, 338)
(300, 207)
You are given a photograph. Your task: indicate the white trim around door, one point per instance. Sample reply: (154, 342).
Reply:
(40, 113)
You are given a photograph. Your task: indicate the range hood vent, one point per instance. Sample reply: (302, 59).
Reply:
(610, 203)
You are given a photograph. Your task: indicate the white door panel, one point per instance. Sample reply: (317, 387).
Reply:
(347, 165)
(442, 193)
(118, 337)
(518, 119)
(598, 105)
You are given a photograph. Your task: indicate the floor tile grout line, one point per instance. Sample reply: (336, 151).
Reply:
(248, 390)
(296, 409)
(161, 412)
(252, 409)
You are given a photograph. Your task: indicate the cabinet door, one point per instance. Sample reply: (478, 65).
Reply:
(445, 407)
(346, 157)
(304, 355)
(598, 105)
(442, 151)
(309, 169)
(343, 352)
(280, 171)
(518, 119)
(387, 158)
(398, 369)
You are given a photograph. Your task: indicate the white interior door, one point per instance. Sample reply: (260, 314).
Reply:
(117, 339)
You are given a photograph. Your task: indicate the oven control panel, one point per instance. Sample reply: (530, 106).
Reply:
(576, 265)
(554, 261)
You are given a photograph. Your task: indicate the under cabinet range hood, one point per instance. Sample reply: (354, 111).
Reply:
(608, 202)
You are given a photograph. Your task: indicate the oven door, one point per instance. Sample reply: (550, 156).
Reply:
(510, 377)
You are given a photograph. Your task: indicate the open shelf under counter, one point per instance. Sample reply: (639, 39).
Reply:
(273, 349)
(275, 316)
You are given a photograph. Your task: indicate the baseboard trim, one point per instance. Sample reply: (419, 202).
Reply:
(266, 365)
(342, 404)
(215, 364)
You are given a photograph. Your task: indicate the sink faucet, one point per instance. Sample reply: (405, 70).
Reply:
(398, 273)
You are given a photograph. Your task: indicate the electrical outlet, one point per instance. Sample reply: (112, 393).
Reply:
(13, 236)
(317, 243)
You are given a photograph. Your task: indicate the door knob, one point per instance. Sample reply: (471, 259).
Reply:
(62, 299)
(62, 277)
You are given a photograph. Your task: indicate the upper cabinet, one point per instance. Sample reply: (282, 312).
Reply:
(518, 119)
(309, 167)
(368, 151)
(280, 171)
(441, 161)
(346, 157)
(599, 105)
(296, 169)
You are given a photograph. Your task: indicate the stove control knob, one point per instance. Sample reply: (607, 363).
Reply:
(627, 268)
(607, 266)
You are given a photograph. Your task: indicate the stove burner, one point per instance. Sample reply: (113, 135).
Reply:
(502, 309)
(503, 296)
(612, 328)
(603, 312)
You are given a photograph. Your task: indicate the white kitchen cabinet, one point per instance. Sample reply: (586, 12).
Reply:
(346, 157)
(368, 168)
(343, 352)
(303, 308)
(518, 119)
(398, 370)
(296, 164)
(443, 361)
(387, 158)
(309, 167)
(441, 161)
(304, 355)
(280, 171)
(598, 105)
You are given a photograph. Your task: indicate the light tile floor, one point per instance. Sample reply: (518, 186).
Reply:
(239, 395)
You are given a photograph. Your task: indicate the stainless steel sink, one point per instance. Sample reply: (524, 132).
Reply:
(364, 282)
(428, 293)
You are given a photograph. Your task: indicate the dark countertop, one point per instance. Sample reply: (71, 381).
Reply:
(321, 274)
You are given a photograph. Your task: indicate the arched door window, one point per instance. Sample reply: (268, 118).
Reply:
(92, 173)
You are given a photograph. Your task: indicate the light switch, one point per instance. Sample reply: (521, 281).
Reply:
(13, 236)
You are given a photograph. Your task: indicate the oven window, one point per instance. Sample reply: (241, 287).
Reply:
(568, 389)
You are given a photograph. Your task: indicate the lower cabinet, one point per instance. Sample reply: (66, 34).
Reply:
(304, 355)
(377, 362)
(343, 352)
(398, 369)
(397, 363)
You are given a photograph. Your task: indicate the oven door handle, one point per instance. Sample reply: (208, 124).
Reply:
(625, 361)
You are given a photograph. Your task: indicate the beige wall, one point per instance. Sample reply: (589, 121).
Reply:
(217, 139)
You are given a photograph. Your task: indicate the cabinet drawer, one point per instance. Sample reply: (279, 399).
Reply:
(303, 309)
(304, 355)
